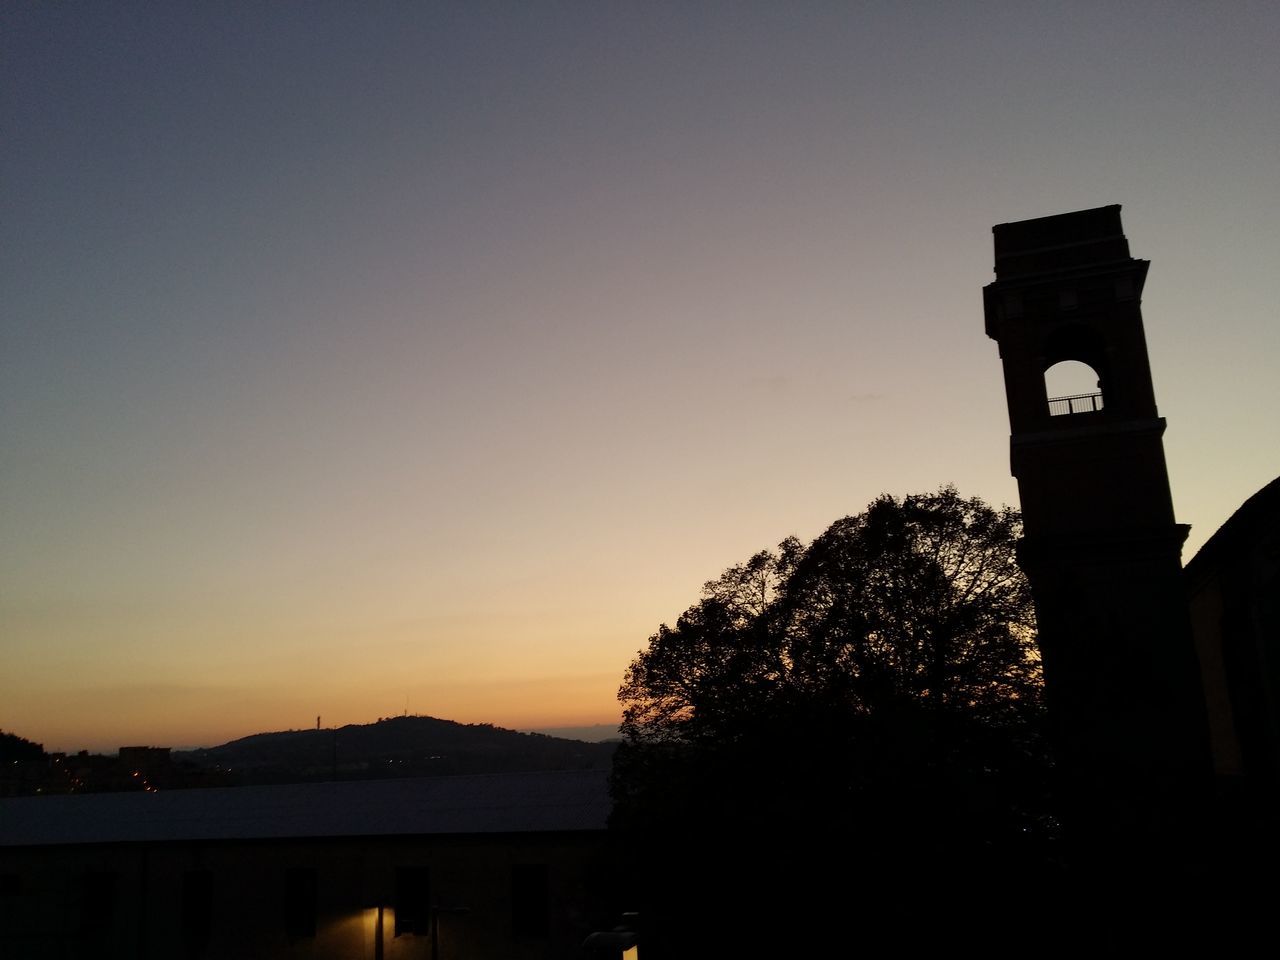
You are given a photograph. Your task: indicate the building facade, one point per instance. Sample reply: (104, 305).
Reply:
(501, 866)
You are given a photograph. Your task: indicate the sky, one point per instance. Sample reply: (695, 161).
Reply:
(359, 358)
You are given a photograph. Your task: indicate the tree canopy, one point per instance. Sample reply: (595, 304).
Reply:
(14, 748)
(874, 690)
(913, 604)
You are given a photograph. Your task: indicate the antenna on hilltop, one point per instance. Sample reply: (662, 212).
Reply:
(317, 721)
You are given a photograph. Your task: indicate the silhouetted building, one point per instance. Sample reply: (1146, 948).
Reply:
(1101, 547)
(496, 866)
(145, 758)
(1233, 585)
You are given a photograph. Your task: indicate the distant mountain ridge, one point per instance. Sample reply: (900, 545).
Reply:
(592, 733)
(407, 746)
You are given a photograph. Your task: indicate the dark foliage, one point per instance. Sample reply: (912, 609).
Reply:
(14, 748)
(872, 699)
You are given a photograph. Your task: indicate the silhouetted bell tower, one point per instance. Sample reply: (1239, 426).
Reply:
(1101, 546)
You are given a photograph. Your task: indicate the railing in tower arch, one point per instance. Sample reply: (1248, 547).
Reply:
(1076, 403)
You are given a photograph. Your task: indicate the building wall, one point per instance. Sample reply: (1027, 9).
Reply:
(250, 899)
(1233, 587)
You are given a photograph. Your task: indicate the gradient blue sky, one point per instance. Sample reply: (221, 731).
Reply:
(365, 354)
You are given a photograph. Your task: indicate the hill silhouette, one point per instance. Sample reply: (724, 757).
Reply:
(409, 746)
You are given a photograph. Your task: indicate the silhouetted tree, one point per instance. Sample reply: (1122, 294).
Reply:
(14, 748)
(874, 695)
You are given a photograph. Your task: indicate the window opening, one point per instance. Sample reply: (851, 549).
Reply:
(1072, 387)
(97, 903)
(530, 900)
(197, 909)
(300, 902)
(413, 900)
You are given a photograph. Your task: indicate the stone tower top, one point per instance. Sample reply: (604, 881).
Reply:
(1061, 243)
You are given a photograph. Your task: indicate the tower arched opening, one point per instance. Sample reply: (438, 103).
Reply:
(1075, 370)
(1072, 387)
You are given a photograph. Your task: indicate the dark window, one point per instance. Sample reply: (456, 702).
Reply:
(530, 900)
(413, 900)
(300, 902)
(10, 885)
(197, 908)
(97, 903)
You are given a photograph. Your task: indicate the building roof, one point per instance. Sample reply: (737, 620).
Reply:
(494, 803)
(1260, 512)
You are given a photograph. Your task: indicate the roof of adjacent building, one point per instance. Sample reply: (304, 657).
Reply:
(1261, 512)
(495, 803)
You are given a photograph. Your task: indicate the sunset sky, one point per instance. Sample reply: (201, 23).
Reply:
(359, 357)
